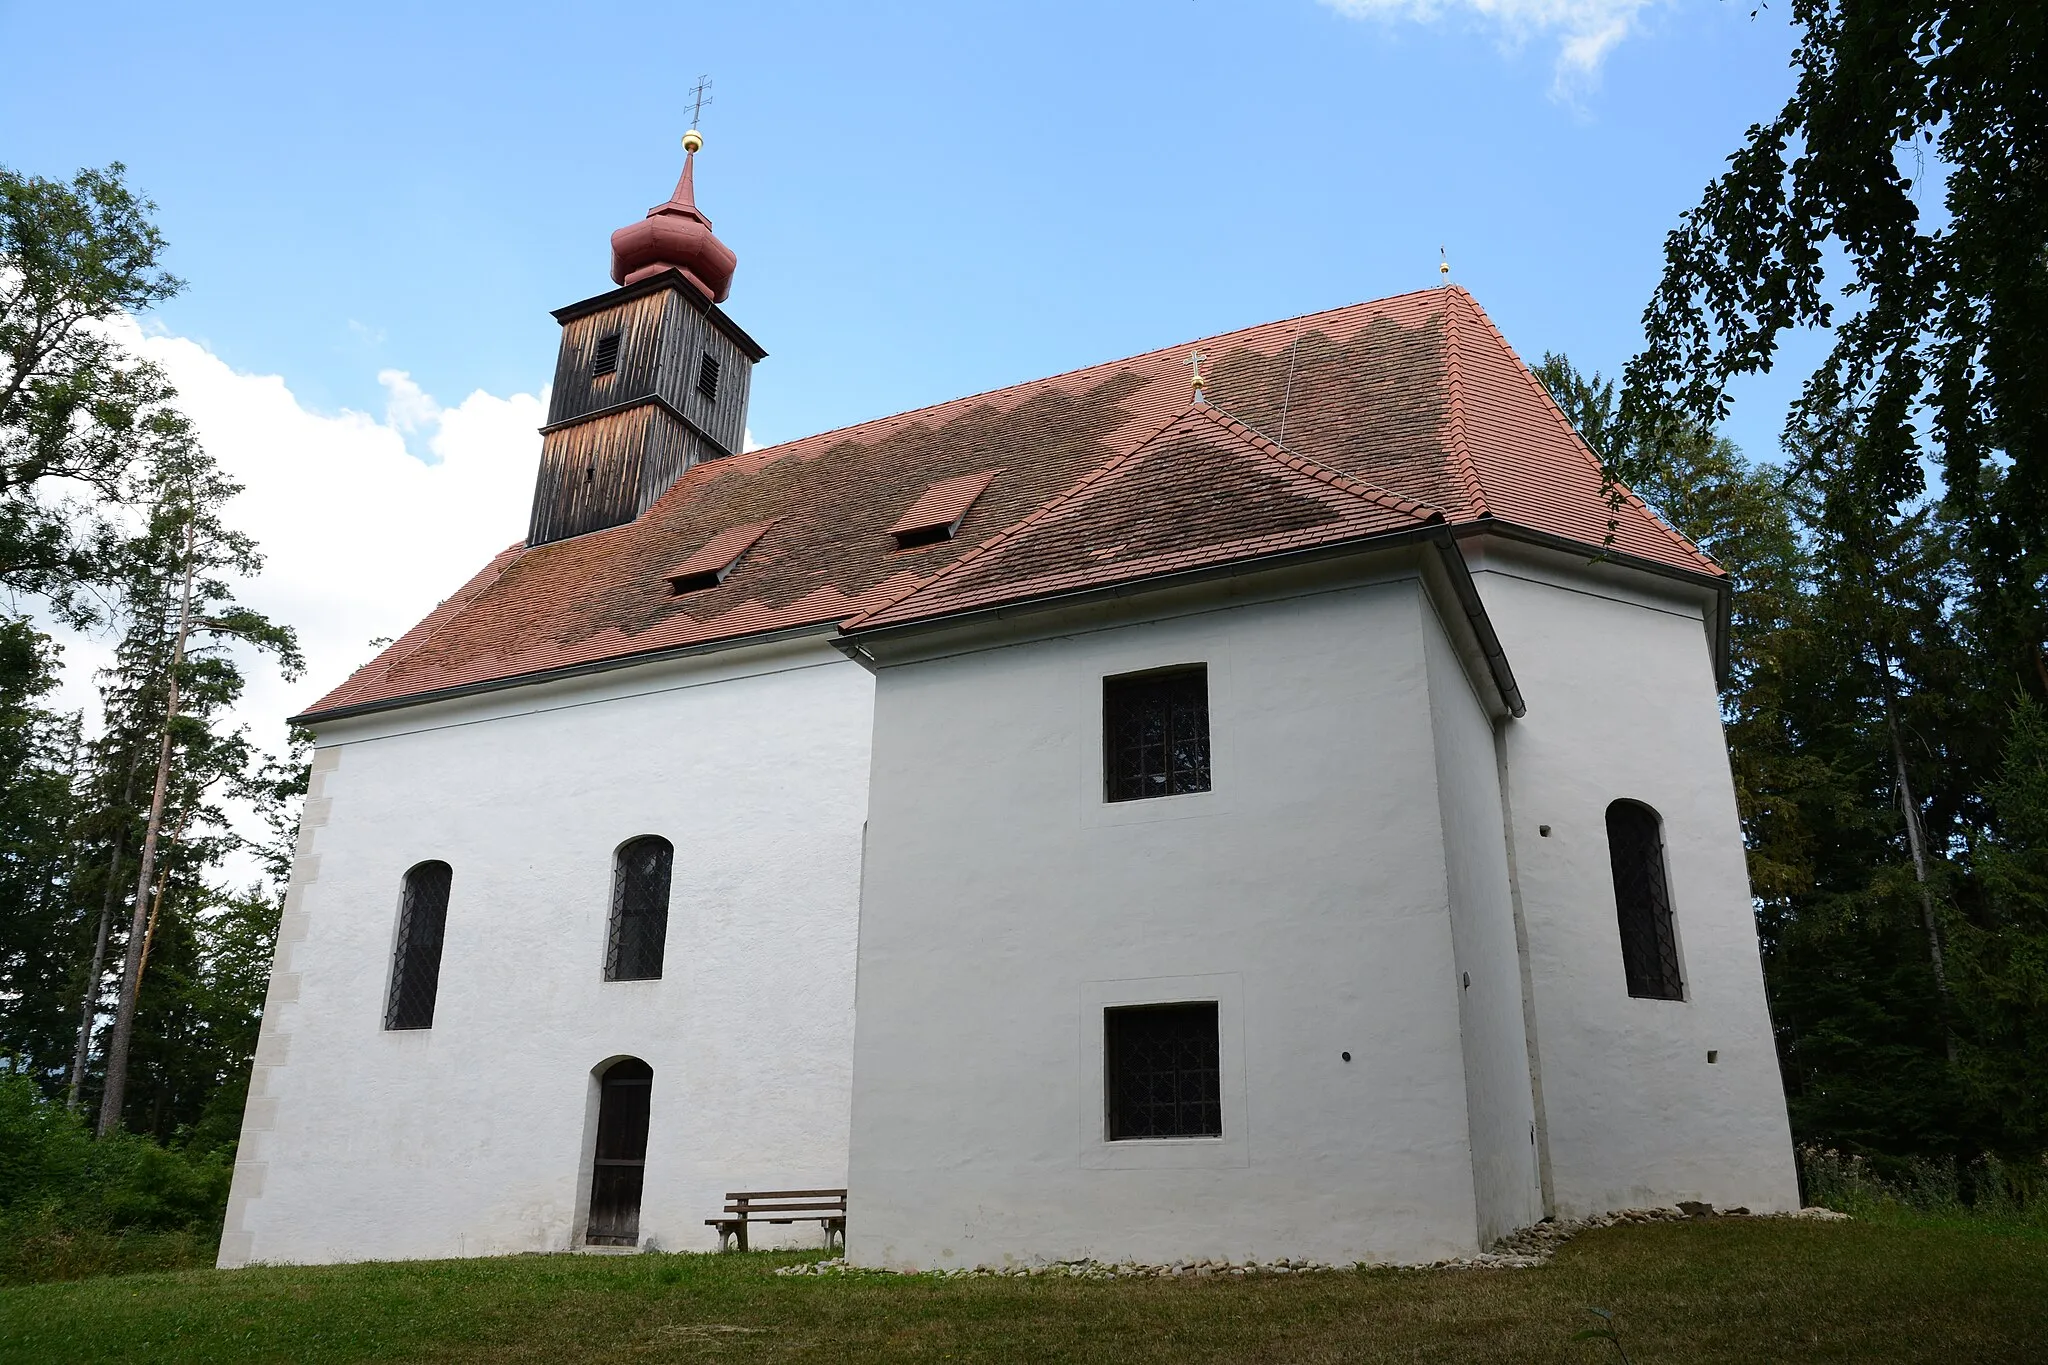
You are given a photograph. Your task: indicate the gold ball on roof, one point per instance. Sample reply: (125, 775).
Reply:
(693, 141)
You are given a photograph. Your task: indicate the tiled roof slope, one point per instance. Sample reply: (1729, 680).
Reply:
(1418, 395)
(1205, 490)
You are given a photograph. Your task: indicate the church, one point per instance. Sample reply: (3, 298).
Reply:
(1260, 798)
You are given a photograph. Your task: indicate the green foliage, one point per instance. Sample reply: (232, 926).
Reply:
(70, 1205)
(75, 410)
(1939, 319)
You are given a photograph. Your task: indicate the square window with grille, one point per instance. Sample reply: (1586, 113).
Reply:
(605, 359)
(1155, 730)
(1164, 1071)
(707, 378)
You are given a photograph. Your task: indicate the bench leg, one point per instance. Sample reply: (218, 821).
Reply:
(835, 1231)
(742, 1225)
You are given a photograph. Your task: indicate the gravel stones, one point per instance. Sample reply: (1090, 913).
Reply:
(1522, 1249)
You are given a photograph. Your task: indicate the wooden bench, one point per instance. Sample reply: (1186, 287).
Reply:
(780, 1206)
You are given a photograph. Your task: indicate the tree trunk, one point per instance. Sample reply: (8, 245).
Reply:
(89, 1008)
(1916, 840)
(131, 977)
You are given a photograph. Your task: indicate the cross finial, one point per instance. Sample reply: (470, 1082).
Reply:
(700, 96)
(1195, 359)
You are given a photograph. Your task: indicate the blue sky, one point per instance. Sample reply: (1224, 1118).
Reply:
(376, 206)
(926, 200)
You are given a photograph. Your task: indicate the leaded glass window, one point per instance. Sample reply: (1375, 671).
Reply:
(639, 929)
(1642, 901)
(416, 958)
(1165, 1071)
(1156, 734)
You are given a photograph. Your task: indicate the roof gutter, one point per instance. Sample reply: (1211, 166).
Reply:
(1438, 536)
(547, 675)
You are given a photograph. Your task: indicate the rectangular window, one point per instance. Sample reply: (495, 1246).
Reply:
(416, 957)
(1155, 730)
(1164, 1071)
(606, 358)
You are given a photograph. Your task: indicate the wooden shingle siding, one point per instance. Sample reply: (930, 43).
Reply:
(607, 471)
(663, 339)
(617, 440)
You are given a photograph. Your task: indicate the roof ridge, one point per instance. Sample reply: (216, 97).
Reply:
(1460, 446)
(1016, 528)
(1578, 442)
(1082, 369)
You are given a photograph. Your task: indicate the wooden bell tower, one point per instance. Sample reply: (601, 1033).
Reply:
(653, 377)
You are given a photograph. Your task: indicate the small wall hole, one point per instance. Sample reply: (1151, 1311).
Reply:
(1347, 1056)
(1543, 830)
(1713, 1056)
(1468, 980)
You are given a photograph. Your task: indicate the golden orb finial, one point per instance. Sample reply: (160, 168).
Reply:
(693, 141)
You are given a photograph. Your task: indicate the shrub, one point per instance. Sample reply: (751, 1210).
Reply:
(70, 1206)
(1987, 1188)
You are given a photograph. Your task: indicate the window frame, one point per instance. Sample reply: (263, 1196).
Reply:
(1114, 790)
(416, 957)
(1646, 920)
(1121, 1120)
(616, 937)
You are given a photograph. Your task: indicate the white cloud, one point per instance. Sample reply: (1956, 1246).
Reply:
(408, 409)
(1587, 29)
(360, 538)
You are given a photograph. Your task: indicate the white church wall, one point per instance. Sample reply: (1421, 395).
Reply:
(470, 1137)
(1507, 1185)
(1618, 676)
(1005, 904)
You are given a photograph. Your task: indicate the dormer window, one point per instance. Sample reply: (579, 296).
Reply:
(707, 378)
(605, 359)
(717, 558)
(937, 515)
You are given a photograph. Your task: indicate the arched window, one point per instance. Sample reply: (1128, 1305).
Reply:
(1642, 901)
(639, 910)
(619, 1164)
(416, 958)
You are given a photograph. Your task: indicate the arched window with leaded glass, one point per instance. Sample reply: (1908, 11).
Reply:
(639, 928)
(416, 956)
(1642, 901)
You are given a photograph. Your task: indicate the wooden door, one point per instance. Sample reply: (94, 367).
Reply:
(617, 1173)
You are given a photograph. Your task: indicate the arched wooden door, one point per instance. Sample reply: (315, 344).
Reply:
(620, 1166)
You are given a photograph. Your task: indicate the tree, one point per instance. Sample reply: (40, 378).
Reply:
(1939, 320)
(72, 402)
(175, 677)
(38, 755)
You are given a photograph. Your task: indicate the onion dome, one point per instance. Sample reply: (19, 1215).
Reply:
(676, 236)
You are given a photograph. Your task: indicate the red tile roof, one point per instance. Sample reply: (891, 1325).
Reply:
(1391, 409)
(1205, 490)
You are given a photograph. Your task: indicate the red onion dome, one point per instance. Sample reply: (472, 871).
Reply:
(676, 236)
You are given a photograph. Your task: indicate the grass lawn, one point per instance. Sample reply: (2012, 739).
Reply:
(1723, 1290)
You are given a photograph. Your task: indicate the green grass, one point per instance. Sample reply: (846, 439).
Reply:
(1720, 1290)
